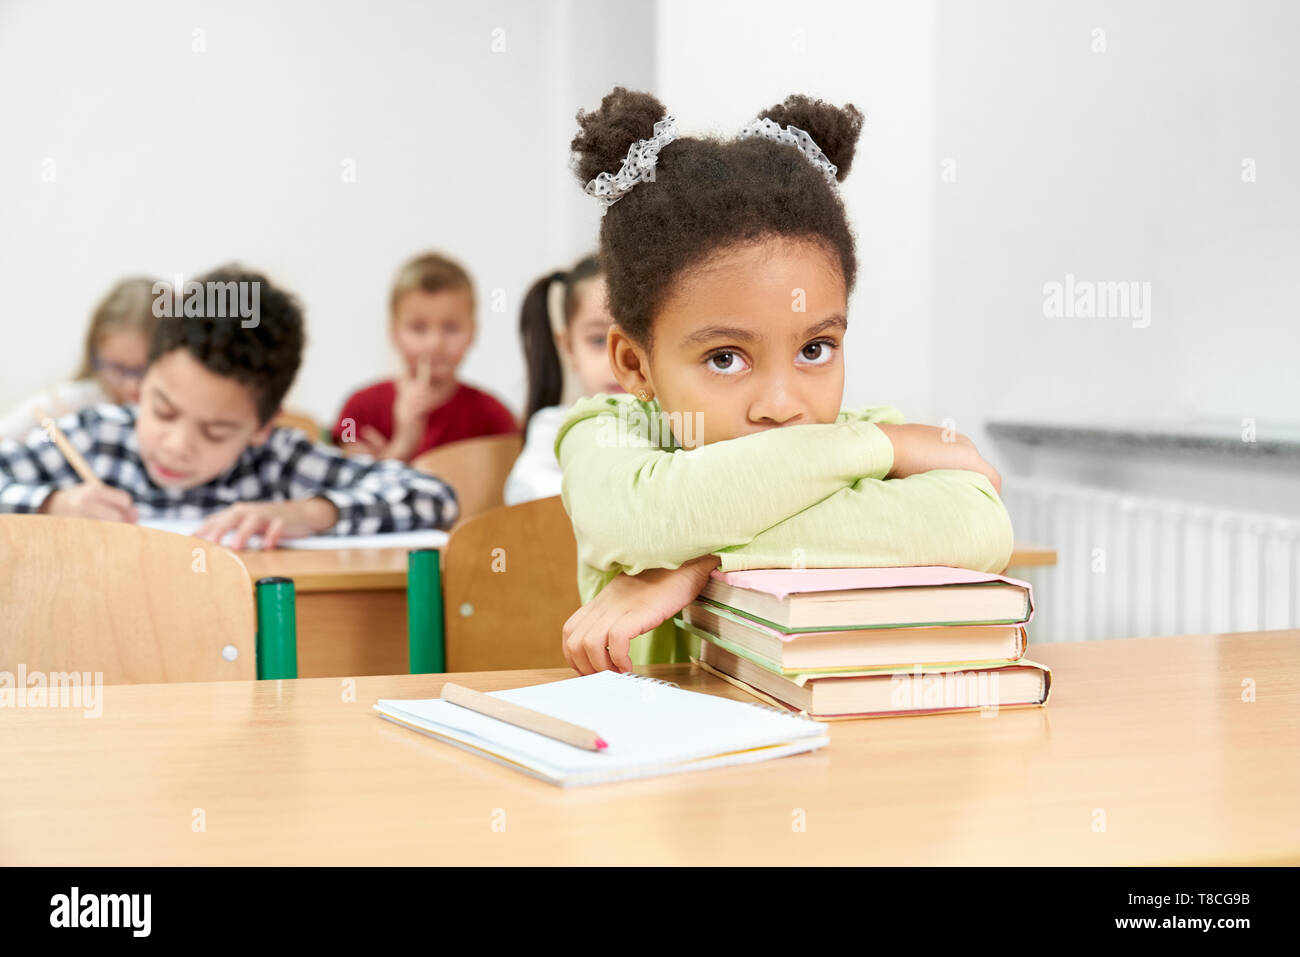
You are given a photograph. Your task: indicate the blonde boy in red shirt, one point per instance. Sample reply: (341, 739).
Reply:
(432, 326)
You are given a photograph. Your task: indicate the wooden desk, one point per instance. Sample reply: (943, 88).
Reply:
(1152, 731)
(351, 607)
(344, 569)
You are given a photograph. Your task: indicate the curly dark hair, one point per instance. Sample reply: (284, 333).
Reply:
(709, 194)
(263, 356)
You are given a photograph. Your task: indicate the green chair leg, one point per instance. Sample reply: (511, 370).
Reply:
(277, 629)
(424, 620)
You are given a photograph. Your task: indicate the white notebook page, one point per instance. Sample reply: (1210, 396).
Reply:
(427, 538)
(651, 728)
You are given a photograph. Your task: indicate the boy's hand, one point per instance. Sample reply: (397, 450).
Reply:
(371, 442)
(415, 399)
(597, 635)
(274, 521)
(91, 501)
(923, 448)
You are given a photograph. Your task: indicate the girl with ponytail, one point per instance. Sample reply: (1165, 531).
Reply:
(729, 264)
(576, 338)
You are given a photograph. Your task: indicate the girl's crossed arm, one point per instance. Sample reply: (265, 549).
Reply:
(930, 514)
(939, 517)
(636, 506)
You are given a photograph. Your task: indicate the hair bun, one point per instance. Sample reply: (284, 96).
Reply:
(833, 128)
(623, 117)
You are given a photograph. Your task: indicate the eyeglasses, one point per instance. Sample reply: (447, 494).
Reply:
(117, 371)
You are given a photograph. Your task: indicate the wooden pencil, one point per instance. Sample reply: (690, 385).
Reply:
(79, 464)
(522, 717)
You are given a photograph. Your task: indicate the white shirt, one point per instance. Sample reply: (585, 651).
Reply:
(63, 398)
(536, 473)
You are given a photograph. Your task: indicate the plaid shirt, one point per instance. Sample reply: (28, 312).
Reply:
(384, 496)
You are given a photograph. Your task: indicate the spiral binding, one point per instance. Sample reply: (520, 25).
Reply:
(795, 715)
(654, 681)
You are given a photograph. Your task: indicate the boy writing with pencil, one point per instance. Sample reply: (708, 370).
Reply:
(201, 443)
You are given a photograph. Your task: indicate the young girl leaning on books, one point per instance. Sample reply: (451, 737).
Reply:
(729, 264)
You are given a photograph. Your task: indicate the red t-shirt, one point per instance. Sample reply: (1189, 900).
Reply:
(469, 413)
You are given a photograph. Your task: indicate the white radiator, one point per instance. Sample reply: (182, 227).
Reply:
(1129, 566)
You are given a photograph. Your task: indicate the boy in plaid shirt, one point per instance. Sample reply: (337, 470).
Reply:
(200, 444)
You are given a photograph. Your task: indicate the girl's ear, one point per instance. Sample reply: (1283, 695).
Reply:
(630, 365)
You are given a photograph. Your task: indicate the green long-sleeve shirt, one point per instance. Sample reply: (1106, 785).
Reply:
(810, 495)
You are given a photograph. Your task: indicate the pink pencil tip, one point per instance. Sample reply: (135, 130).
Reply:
(601, 743)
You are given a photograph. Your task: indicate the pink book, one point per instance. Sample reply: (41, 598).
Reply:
(803, 599)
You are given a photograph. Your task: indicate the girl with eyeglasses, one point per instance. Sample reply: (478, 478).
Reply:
(112, 364)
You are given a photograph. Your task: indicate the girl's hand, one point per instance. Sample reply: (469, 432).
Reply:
(274, 521)
(91, 501)
(597, 635)
(923, 448)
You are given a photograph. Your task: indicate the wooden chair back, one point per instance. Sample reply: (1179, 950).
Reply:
(138, 605)
(476, 468)
(300, 420)
(509, 584)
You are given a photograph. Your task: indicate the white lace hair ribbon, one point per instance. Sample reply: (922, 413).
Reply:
(639, 167)
(769, 129)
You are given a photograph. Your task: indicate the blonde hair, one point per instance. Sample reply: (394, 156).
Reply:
(429, 272)
(128, 306)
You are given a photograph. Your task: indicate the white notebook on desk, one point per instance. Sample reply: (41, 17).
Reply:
(652, 728)
(426, 538)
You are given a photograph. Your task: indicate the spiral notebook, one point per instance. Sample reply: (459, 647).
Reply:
(652, 728)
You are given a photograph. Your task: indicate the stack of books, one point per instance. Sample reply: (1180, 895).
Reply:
(870, 642)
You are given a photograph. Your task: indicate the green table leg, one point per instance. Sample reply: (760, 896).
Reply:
(424, 622)
(277, 629)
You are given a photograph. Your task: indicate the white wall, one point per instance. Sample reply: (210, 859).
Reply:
(1112, 166)
(169, 160)
(717, 64)
(1117, 165)
(1121, 165)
